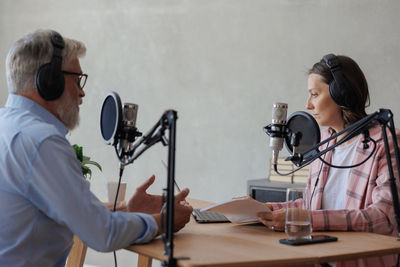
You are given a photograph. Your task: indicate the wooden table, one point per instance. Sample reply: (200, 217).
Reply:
(226, 244)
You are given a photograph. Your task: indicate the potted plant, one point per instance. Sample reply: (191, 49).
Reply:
(85, 160)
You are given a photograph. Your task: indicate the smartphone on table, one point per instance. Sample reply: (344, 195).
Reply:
(314, 239)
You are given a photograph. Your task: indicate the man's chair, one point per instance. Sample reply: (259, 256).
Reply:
(77, 255)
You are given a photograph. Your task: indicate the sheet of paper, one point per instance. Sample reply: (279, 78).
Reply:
(239, 211)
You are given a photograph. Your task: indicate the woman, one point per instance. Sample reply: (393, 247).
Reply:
(351, 199)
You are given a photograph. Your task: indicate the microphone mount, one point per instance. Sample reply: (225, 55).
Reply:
(127, 134)
(276, 130)
(130, 133)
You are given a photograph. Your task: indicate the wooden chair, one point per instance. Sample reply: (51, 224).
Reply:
(77, 255)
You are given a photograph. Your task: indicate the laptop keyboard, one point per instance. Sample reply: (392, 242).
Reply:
(204, 217)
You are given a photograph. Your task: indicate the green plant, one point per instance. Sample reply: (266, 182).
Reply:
(85, 160)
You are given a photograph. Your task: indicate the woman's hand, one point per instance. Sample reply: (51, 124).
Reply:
(274, 220)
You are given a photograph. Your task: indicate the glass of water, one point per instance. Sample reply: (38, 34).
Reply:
(298, 217)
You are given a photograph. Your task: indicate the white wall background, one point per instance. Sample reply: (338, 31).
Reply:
(220, 63)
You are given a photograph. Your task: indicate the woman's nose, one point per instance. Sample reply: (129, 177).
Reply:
(308, 104)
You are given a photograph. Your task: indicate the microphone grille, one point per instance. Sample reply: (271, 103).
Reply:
(130, 114)
(279, 113)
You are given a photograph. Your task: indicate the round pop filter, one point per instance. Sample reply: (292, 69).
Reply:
(307, 130)
(111, 118)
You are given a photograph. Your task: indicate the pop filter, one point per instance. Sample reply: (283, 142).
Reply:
(111, 118)
(302, 127)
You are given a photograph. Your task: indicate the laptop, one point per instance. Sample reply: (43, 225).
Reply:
(208, 217)
(203, 217)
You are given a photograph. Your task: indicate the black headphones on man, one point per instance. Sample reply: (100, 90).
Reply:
(340, 88)
(49, 79)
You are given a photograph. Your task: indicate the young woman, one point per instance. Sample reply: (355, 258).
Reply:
(351, 199)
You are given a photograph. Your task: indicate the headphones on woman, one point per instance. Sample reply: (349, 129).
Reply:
(340, 88)
(49, 79)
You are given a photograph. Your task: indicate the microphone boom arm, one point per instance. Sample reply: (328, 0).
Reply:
(153, 136)
(383, 117)
(309, 155)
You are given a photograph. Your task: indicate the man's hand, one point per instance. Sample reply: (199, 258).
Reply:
(143, 202)
(182, 212)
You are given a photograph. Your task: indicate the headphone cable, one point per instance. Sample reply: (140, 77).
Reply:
(319, 173)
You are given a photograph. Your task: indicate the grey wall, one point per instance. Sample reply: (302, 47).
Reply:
(220, 64)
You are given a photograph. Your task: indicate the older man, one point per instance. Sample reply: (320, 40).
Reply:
(44, 198)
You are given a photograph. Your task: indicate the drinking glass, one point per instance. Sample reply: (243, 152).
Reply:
(298, 217)
(112, 191)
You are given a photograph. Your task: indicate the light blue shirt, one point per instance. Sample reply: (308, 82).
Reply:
(44, 198)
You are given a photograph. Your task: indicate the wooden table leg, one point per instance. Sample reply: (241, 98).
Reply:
(144, 261)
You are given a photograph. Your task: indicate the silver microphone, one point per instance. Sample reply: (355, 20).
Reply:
(277, 127)
(129, 115)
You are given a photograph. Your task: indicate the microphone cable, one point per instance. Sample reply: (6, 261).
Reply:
(121, 171)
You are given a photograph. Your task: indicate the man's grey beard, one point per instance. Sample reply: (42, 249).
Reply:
(68, 112)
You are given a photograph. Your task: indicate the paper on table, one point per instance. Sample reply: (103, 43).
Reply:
(240, 210)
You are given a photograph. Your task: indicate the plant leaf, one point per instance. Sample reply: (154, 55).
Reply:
(92, 163)
(78, 152)
(85, 160)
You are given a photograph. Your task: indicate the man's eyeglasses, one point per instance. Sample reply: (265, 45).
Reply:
(82, 77)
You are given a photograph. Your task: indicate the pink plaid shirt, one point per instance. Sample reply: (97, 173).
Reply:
(368, 203)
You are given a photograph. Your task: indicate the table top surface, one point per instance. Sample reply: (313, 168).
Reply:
(222, 244)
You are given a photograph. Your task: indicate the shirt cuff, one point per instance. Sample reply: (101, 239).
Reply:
(150, 231)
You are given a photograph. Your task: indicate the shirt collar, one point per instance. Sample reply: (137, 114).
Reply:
(21, 102)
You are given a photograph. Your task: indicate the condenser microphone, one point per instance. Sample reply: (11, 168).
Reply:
(129, 131)
(277, 129)
(118, 124)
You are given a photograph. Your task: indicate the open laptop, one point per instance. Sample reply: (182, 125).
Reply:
(203, 217)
